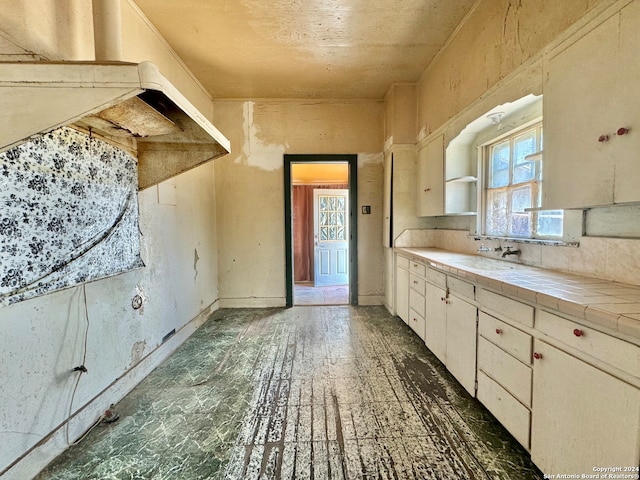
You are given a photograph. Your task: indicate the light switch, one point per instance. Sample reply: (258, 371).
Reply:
(366, 209)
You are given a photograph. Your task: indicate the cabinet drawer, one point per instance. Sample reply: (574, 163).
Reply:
(611, 350)
(505, 307)
(416, 322)
(416, 302)
(461, 288)
(417, 284)
(510, 412)
(403, 262)
(437, 278)
(516, 342)
(509, 372)
(418, 268)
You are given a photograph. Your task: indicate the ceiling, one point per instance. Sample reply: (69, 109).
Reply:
(335, 49)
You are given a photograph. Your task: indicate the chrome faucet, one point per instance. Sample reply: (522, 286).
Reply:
(488, 249)
(508, 251)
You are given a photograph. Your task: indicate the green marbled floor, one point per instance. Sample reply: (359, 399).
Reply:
(308, 392)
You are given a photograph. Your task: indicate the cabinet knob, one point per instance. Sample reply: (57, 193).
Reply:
(622, 131)
(578, 333)
(427, 189)
(603, 138)
(498, 331)
(537, 355)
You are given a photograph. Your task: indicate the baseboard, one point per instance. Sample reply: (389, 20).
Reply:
(36, 459)
(253, 302)
(370, 300)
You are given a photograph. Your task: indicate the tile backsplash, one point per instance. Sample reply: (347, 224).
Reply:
(612, 259)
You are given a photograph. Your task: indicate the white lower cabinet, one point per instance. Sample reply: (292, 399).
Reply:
(461, 341)
(567, 392)
(402, 288)
(451, 326)
(582, 417)
(436, 321)
(410, 293)
(514, 416)
(504, 374)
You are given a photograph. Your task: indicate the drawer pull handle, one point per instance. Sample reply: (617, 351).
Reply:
(537, 355)
(578, 333)
(415, 282)
(498, 331)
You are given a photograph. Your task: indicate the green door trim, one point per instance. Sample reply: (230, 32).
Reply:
(352, 160)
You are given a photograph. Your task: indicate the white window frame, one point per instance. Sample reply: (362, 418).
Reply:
(536, 184)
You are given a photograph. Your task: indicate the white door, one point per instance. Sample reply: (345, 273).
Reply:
(331, 235)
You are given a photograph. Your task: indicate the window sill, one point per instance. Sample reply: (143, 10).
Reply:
(530, 241)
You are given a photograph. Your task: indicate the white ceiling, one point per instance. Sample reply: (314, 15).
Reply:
(346, 49)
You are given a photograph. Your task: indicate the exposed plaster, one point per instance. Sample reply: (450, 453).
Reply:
(255, 151)
(137, 352)
(364, 158)
(143, 296)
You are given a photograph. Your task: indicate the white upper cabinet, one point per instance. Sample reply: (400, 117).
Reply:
(591, 95)
(430, 181)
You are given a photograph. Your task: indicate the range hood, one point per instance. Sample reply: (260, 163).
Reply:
(117, 100)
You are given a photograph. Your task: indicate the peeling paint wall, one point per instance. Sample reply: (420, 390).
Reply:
(44, 337)
(250, 189)
(495, 40)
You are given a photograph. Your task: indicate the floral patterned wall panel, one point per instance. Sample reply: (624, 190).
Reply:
(68, 214)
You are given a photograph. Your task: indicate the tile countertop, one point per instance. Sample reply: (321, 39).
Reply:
(611, 305)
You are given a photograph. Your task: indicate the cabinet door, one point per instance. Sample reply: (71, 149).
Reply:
(402, 293)
(430, 182)
(581, 417)
(435, 336)
(461, 342)
(627, 108)
(591, 90)
(578, 103)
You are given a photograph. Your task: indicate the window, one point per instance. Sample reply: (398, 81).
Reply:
(513, 185)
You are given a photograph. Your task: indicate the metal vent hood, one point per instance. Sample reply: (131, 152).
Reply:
(112, 99)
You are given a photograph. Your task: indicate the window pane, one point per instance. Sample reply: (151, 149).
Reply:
(513, 185)
(524, 171)
(549, 223)
(521, 199)
(497, 212)
(520, 225)
(499, 165)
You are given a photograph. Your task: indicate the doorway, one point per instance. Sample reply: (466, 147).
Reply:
(320, 229)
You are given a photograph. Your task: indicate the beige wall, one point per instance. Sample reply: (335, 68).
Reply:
(401, 110)
(179, 283)
(250, 189)
(497, 38)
